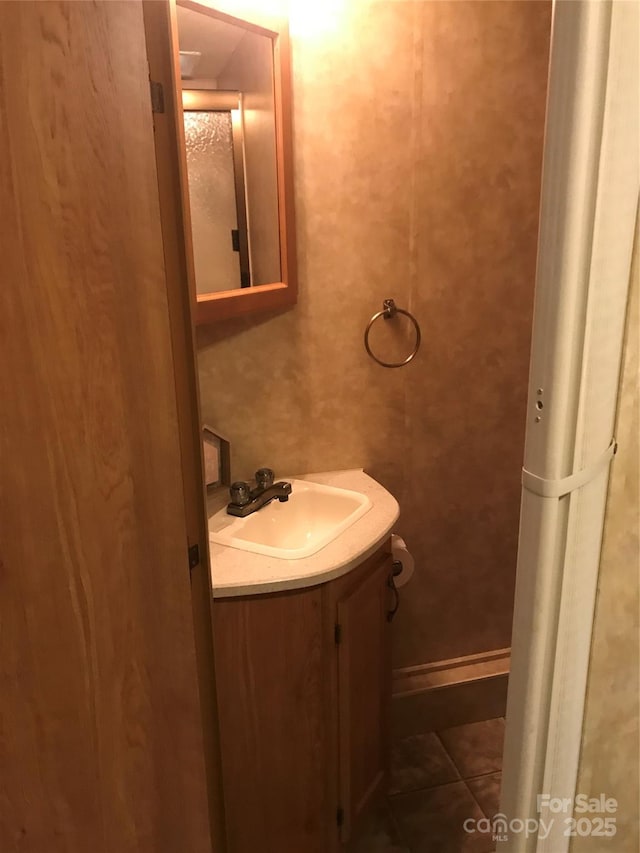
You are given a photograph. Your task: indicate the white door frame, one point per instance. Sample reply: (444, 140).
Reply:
(588, 213)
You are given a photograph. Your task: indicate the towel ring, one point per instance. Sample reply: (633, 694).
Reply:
(389, 310)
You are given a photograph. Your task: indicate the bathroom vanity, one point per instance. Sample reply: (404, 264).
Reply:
(303, 675)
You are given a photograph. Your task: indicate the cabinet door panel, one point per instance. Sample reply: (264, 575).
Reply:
(364, 689)
(269, 668)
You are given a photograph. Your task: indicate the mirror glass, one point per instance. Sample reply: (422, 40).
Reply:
(228, 99)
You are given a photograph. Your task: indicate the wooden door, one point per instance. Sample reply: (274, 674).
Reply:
(364, 692)
(101, 732)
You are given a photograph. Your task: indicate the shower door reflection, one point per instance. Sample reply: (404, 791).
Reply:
(217, 199)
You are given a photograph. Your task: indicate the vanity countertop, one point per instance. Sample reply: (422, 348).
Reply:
(235, 572)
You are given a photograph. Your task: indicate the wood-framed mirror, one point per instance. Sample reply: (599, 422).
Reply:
(233, 103)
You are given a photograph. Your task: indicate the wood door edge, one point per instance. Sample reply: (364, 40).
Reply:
(158, 27)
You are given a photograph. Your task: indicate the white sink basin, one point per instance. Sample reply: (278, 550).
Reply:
(313, 516)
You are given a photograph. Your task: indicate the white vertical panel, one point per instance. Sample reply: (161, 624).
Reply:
(590, 189)
(608, 284)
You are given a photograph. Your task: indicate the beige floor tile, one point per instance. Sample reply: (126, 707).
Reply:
(476, 748)
(420, 761)
(486, 790)
(431, 821)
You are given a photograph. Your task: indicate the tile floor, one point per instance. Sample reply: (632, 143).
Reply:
(438, 780)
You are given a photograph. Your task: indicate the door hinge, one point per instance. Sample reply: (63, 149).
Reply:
(194, 556)
(337, 634)
(340, 816)
(157, 96)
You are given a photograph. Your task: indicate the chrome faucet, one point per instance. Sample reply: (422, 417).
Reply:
(245, 500)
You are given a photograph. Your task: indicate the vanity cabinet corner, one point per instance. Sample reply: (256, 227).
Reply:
(304, 689)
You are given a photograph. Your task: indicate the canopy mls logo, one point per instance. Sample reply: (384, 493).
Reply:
(598, 824)
(499, 827)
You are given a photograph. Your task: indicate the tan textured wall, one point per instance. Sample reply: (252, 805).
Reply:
(611, 739)
(418, 144)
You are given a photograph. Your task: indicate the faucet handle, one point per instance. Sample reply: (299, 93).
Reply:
(264, 478)
(240, 493)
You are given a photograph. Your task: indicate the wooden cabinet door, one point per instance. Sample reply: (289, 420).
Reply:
(270, 667)
(101, 745)
(364, 692)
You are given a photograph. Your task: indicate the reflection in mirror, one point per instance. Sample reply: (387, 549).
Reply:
(230, 133)
(220, 256)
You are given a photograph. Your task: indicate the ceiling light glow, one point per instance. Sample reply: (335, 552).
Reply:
(311, 20)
